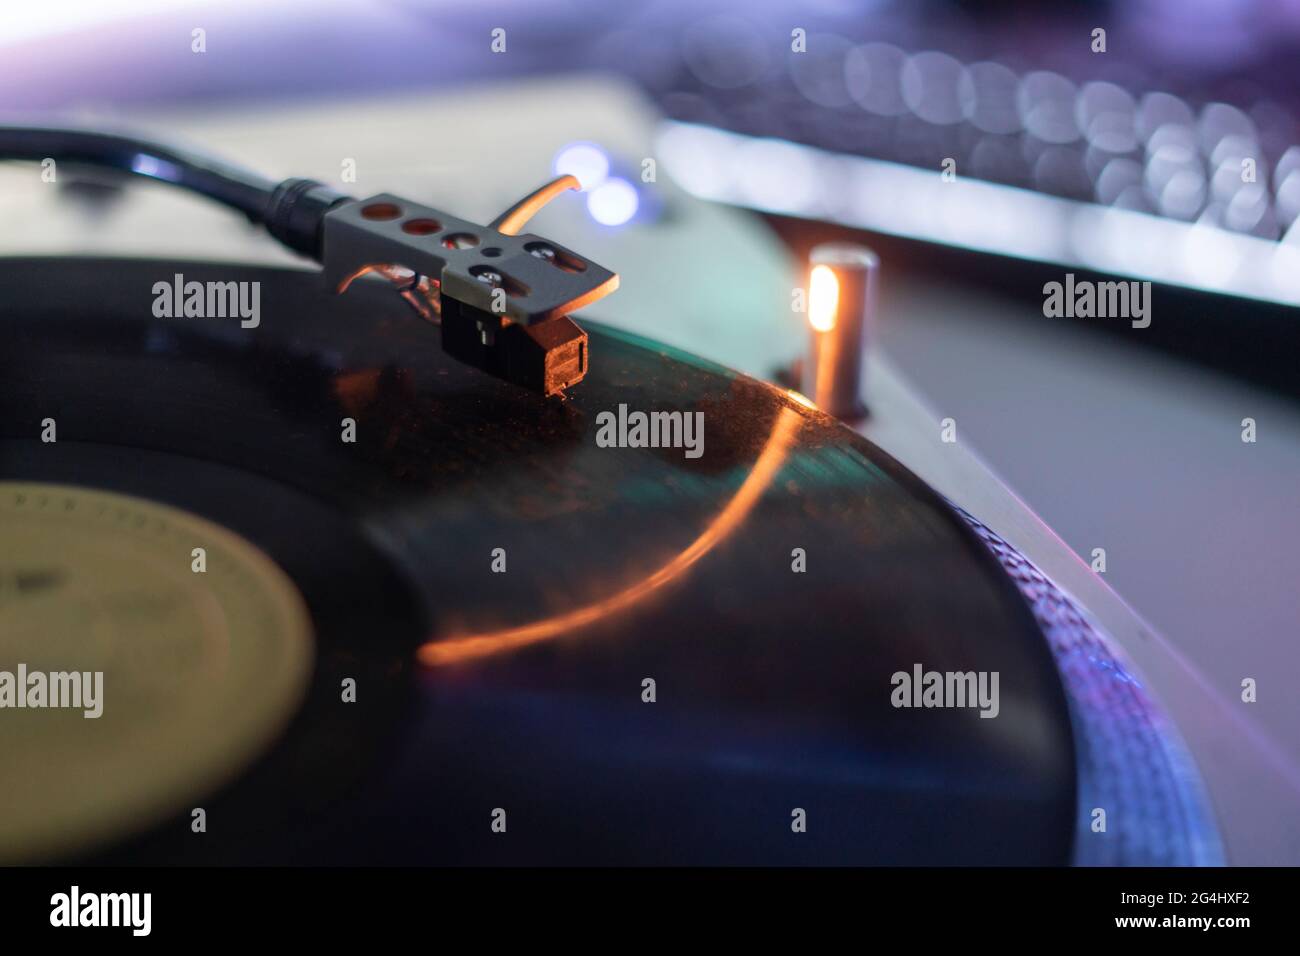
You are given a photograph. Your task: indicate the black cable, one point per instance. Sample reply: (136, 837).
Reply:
(235, 187)
(290, 210)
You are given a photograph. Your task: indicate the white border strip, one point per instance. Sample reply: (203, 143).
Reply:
(787, 178)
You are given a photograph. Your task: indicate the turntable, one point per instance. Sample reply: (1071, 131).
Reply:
(370, 578)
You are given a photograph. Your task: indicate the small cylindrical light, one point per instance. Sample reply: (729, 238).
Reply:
(841, 305)
(823, 298)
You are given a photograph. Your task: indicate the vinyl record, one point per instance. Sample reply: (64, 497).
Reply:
(563, 647)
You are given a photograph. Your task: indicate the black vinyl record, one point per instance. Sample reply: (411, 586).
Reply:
(525, 647)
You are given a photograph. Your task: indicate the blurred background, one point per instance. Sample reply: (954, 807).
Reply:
(1144, 139)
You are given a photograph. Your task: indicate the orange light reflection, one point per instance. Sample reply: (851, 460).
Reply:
(468, 647)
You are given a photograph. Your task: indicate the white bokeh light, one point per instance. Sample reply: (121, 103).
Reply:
(613, 203)
(587, 161)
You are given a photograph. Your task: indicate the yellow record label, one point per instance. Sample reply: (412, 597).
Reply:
(146, 657)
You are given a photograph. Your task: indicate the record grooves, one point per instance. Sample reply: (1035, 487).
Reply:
(772, 687)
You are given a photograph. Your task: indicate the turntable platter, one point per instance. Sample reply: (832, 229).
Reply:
(634, 653)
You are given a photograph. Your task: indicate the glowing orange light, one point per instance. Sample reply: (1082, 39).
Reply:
(823, 298)
(456, 649)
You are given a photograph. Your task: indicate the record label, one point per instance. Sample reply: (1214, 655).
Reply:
(146, 657)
